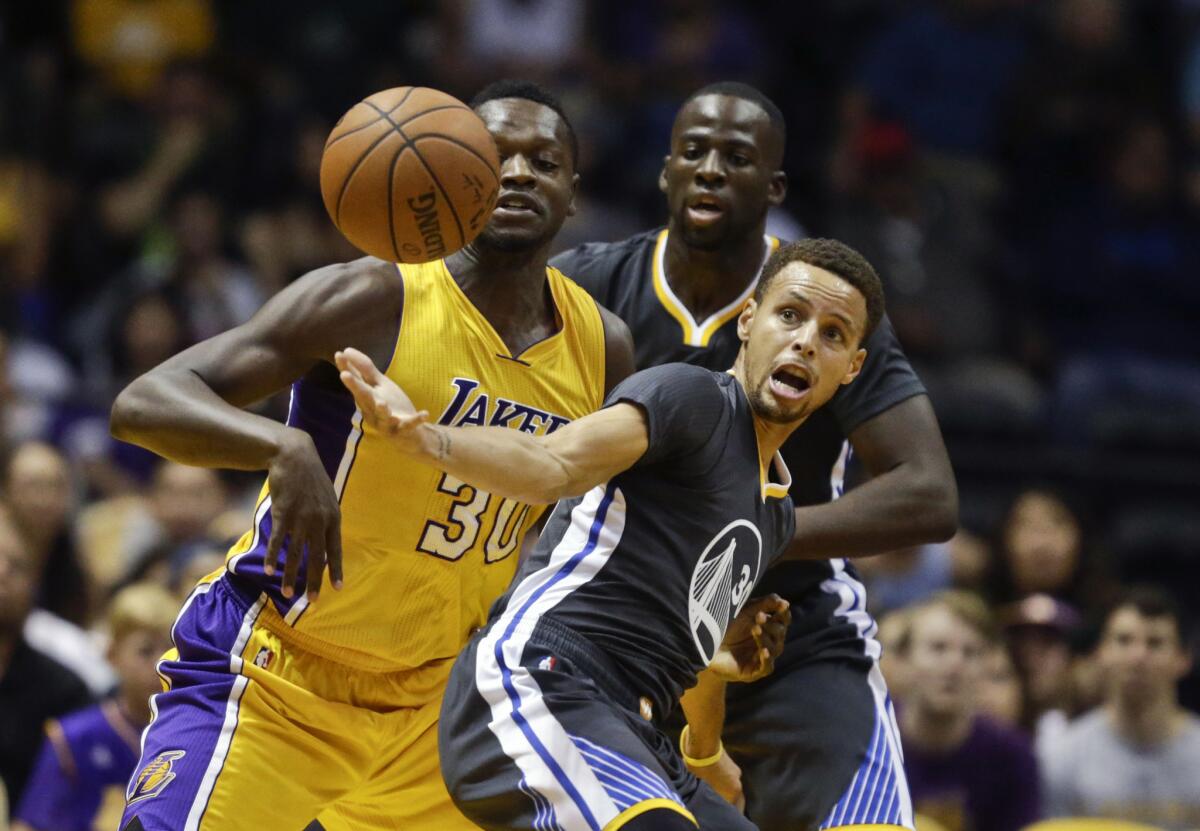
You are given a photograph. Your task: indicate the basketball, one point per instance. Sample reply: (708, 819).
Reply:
(410, 174)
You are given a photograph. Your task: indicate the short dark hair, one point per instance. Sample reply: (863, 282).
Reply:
(736, 89)
(836, 258)
(530, 91)
(1152, 602)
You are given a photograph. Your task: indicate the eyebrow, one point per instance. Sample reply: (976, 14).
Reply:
(796, 295)
(695, 134)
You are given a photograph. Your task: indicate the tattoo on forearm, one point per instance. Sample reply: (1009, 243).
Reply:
(443, 448)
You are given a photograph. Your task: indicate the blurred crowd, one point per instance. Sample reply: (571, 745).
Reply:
(1024, 174)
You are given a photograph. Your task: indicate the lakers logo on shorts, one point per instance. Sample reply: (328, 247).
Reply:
(154, 776)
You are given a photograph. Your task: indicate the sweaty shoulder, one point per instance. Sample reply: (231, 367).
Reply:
(601, 266)
(687, 408)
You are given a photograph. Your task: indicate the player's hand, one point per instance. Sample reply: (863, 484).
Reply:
(725, 777)
(305, 515)
(753, 640)
(382, 403)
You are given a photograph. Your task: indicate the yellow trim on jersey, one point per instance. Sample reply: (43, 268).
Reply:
(699, 334)
(642, 807)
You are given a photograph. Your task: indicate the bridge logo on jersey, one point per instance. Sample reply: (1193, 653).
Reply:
(471, 405)
(721, 584)
(155, 776)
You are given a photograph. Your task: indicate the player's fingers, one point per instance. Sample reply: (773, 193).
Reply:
(364, 396)
(333, 552)
(274, 542)
(314, 568)
(291, 564)
(364, 365)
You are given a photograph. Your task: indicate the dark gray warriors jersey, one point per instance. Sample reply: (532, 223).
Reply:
(628, 277)
(653, 565)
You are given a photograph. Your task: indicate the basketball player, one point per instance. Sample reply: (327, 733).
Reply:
(667, 521)
(806, 736)
(279, 705)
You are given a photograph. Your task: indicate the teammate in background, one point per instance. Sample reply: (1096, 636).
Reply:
(79, 778)
(347, 689)
(805, 735)
(674, 502)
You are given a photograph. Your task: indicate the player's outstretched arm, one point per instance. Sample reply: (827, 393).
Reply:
(188, 409)
(509, 463)
(911, 499)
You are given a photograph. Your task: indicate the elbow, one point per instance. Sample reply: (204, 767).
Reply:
(125, 419)
(939, 500)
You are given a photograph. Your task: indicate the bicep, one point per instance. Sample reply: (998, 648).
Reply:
(906, 433)
(597, 447)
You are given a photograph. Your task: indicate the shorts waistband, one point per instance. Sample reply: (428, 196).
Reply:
(568, 643)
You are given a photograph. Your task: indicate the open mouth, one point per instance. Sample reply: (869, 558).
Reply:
(516, 203)
(704, 209)
(790, 382)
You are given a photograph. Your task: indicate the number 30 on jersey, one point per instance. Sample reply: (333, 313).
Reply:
(470, 511)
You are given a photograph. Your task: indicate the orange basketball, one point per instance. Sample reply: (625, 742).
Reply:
(410, 174)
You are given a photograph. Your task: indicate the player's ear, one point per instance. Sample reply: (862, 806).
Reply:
(777, 189)
(662, 174)
(574, 191)
(746, 319)
(856, 365)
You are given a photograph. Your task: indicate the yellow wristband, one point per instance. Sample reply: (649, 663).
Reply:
(707, 761)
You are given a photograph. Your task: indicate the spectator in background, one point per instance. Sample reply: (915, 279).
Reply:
(33, 688)
(1001, 693)
(1043, 546)
(171, 522)
(1137, 756)
(965, 770)
(37, 485)
(79, 779)
(1039, 628)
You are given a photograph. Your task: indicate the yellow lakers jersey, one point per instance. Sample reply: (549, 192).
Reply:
(425, 554)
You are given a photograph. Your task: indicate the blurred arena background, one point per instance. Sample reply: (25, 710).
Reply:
(1025, 175)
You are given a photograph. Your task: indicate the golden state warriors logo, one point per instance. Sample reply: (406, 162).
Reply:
(154, 776)
(721, 584)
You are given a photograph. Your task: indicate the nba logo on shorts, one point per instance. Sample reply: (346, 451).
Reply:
(721, 584)
(154, 776)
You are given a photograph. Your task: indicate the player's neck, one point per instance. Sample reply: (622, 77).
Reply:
(509, 288)
(707, 281)
(1149, 723)
(935, 732)
(770, 434)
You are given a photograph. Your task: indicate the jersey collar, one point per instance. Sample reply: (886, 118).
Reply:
(775, 490)
(699, 334)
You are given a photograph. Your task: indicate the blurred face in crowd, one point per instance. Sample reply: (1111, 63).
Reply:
(945, 659)
(152, 332)
(18, 578)
(892, 630)
(186, 499)
(723, 170)
(133, 657)
(1000, 694)
(1042, 543)
(1142, 658)
(1044, 660)
(198, 226)
(800, 342)
(38, 486)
